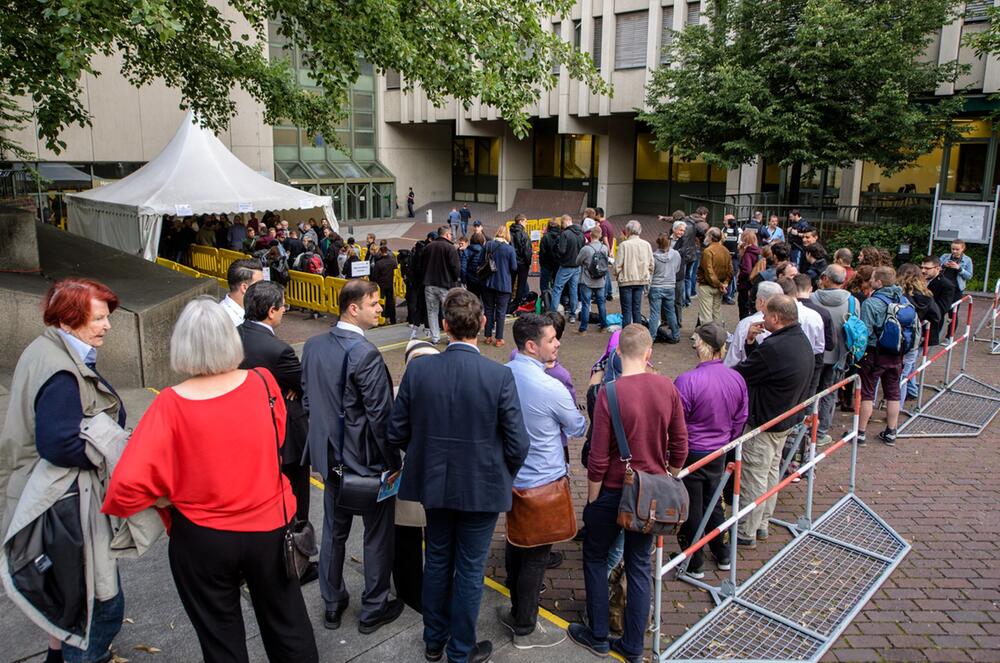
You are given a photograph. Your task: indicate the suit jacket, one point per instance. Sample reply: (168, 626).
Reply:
(367, 403)
(262, 349)
(465, 461)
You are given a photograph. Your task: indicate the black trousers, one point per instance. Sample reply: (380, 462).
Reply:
(525, 574)
(298, 479)
(408, 566)
(701, 486)
(208, 566)
(521, 287)
(390, 305)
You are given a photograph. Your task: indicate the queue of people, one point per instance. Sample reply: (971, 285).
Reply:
(230, 483)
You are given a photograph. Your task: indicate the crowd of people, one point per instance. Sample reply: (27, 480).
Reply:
(230, 483)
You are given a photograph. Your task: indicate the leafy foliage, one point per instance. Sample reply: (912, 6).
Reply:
(496, 50)
(818, 81)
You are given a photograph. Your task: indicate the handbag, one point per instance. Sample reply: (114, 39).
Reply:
(354, 492)
(650, 503)
(541, 515)
(299, 541)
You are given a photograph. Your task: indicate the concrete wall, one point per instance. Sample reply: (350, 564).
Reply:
(18, 241)
(419, 155)
(515, 168)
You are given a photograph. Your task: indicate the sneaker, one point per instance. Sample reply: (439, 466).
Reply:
(746, 543)
(540, 637)
(861, 438)
(723, 563)
(824, 441)
(697, 574)
(555, 560)
(413, 332)
(584, 637)
(505, 618)
(888, 437)
(572, 320)
(762, 534)
(616, 647)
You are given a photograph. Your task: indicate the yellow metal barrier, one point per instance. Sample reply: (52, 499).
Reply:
(179, 268)
(333, 287)
(306, 291)
(205, 259)
(227, 258)
(223, 283)
(398, 284)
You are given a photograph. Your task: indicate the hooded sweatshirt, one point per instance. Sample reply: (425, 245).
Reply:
(836, 302)
(665, 266)
(873, 311)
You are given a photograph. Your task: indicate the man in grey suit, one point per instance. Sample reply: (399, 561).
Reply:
(348, 394)
(461, 469)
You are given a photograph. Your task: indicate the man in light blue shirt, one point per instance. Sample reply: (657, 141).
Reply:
(958, 264)
(549, 412)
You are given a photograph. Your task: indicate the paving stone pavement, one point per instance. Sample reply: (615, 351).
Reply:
(941, 604)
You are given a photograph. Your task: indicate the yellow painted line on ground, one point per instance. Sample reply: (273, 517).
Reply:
(553, 618)
(155, 391)
(393, 346)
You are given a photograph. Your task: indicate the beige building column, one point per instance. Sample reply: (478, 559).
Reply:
(616, 168)
(850, 190)
(515, 168)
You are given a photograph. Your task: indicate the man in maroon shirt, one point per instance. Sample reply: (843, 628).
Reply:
(653, 419)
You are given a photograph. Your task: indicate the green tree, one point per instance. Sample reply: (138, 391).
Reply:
(823, 82)
(496, 50)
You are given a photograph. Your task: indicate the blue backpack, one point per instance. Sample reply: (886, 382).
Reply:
(901, 328)
(855, 334)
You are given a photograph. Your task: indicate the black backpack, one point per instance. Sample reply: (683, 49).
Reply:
(597, 267)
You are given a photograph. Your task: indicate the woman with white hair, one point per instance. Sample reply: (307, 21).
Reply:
(633, 268)
(206, 454)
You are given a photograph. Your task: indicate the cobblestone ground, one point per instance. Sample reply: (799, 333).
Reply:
(941, 604)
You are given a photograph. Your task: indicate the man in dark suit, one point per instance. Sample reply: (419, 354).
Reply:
(264, 304)
(461, 469)
(348, 395)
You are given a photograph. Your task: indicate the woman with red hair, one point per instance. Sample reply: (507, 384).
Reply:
(71, 588)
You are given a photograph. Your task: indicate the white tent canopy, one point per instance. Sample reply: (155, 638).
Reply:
(194, 174)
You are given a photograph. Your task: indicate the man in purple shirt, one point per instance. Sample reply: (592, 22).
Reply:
(715, 409)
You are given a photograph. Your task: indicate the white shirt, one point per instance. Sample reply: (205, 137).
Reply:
(347, 326)
(738, 340)
(233, 310)
(812, 325)
(264, 325)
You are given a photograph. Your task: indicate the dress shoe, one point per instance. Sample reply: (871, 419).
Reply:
(583, 636)
(434, 653)
(480, 653)
(555, 559)
(331, 619)
(616, 647)
(390, 613)
(310, 574)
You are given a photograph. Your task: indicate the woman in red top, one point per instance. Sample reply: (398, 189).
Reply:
(204, 453)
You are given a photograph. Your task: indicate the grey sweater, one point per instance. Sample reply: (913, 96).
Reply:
(665, 266)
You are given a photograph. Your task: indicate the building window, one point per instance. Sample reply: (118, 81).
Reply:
(392, 79)
(630, 39)
(977, 10)
(556, 30)
(577, 34)
(694, 13)
(595, 47)
(666, 34)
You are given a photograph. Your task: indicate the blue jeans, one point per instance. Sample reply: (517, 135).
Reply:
(909, 389)
(495, 309)
(692, 278)
(566, 277)
(731, 292)
(455, 562)
(631, 296)
(465, 228)
(600, 517)
(661, 306)
(607, 284)
(105, 625)
(587, 295)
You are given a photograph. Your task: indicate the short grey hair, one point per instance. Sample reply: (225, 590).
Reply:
(679, 224)
(204, 341)
(633, 227)
(836, 274)
(768, 289)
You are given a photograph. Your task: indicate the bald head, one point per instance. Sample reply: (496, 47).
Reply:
(780, 312)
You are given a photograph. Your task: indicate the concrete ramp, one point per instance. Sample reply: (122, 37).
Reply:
(543, 202)
(137, 351)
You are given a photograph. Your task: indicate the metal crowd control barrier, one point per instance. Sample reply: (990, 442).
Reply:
(798, 603)
(179, 268)
(992, 317)
(227, 258)
(963, 405)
